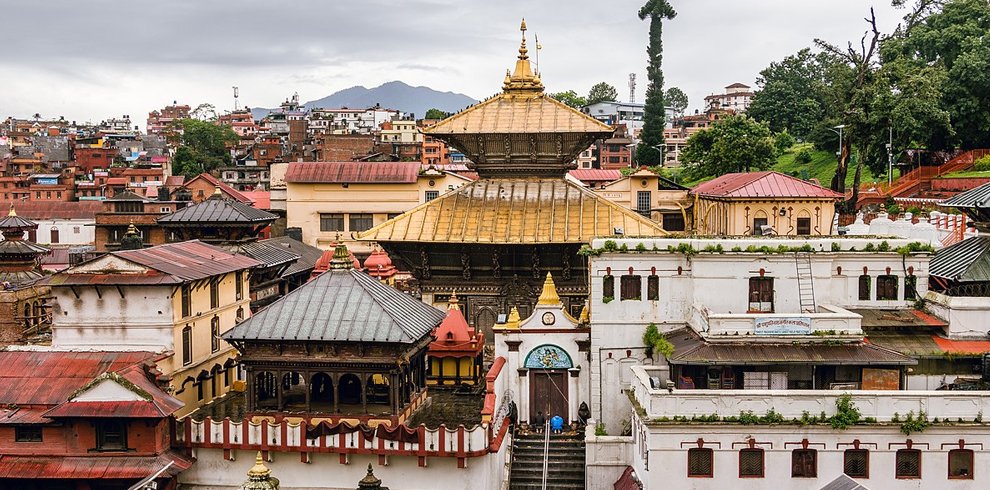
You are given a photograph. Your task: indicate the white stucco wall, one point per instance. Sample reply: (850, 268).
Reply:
(140, 320)
(70, 231)
(967, 316)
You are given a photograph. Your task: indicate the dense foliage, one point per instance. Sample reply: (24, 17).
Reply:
(602, 92)
(734, 143)
(203, 147)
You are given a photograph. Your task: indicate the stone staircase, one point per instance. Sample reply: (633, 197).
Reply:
(565, 469)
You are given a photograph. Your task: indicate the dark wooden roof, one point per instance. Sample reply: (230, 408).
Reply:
(217, 210)
(342, 305)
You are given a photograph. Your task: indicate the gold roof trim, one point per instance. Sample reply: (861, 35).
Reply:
(517, 211)
(549, 295)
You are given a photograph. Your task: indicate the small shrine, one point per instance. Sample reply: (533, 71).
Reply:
(379, 265)
(260, 477)
(326, 261)
(24, 311)
(549, 353)
(457, 354)
(344, 343)
(18, 257)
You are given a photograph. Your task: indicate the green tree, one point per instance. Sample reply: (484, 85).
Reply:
(735, 143)
(570, 98)
(203, 147)
(782, 141)
(436, 114)
(789, 94)
(676, 98)
(602, 92)
(650, 149)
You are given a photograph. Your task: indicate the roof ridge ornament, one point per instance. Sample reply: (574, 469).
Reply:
(341, 258)
(523, 81)
(549, 295)
(513, 321)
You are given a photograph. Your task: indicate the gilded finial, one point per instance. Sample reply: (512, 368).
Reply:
(341, 258)
(585, 317)
(452, 303)
(522, 81)
(259, 470)
(549, 295)
(513, 320)
(522, 46)
(12, 212)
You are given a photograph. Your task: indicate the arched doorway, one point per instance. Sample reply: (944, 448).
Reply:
(485, 321)
(548, 390)
(293, 391)
(378, 390)
(321, 394)
(350, 389)
(266, 389)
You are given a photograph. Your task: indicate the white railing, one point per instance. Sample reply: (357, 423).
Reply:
(793, 404)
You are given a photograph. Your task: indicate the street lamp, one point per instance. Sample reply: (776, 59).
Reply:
(839, 132)
(890, 158)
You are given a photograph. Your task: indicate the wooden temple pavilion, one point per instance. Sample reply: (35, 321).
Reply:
(19, 258)
(495, 239)
(343, 343)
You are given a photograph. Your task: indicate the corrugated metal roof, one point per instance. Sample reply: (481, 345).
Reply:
(353, 172)
(897, 318)
(189, 261)
(96, 467)
(517, 211)
(218, 211)
(150, 278)
(22, 415)
(129, 409)
(341, 305)
(767, 184)
(308, 255)
(965, 261)
(226, 189)
(43, 210)
(978, 197)
(690, 349)
(260, 199)
(595, 174)
(269, 255)
(48, 378)
(972, 347)
(911, 344)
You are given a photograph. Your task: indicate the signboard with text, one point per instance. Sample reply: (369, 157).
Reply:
(783, 326)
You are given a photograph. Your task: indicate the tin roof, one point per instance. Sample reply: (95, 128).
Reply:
(767, 184)
(188, 261)
(308, 254)
(218, 211)
(965, 261)
(112, 409)
(261, 199)
(903, 318)
(690, 349)
(978, 197)
(226, 189)
(341, 305)
(49, 378)
(96, 467)
(595, 174)
(971, 347)
(517, 211)
(43, 210)
(352, 172)
(268, 254)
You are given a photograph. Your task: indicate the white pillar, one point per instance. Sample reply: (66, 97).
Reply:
(573, 393)
(523, 376)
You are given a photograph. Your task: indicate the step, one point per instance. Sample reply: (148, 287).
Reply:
(539, 486)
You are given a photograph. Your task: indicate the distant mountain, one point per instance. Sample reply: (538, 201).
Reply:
(391, 95)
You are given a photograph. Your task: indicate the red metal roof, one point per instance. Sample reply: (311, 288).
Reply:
(117, 181)
(130, 409)
(454, 336)
(762, 185)
(49, 378)
(226, 189)
(91, 467)
(962, 346)
(260, 199)
(23, 415)
(353, 172)
(44, 210)
(189, 261)
(595, 174)
(175, 180)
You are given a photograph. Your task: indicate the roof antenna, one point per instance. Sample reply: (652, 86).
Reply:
(236, 108)
(538, 48)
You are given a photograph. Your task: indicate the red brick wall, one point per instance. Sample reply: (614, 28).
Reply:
(89, 158)
(344, 147)
(78, 437)
(958, 184)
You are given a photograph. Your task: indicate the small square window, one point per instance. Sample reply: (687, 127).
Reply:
(27, 433)
(804, 463)
(804, 226)
(961, 464)
(700, 462)
(856, 463)
(751, 463)
(111, 436)
(631, 287)
(908, 464)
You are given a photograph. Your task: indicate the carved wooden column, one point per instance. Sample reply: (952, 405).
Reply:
(335, 376)
(364, 392)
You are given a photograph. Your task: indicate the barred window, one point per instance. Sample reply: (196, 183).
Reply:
(751, 463)
(700, 462)
(761, 294)
(961, 464)
(653, 287)
(331, 222)
(908, 463)
(608, 287)
(361, 222)
(856, 463)
(886, 287)
(632, 287)
(804, 226)
(804, 463)
(865, 282)
(186, 346)
(431, 195)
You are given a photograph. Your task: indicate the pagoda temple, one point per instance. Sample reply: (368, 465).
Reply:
(24, 314)
(495, 239)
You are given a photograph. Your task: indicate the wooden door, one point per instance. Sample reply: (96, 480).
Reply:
(548, 394)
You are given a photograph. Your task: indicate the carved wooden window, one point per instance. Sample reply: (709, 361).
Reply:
(961, 464)
(111, 435)
(761, 294)
(632, 287)
(804, 226)
(887, 287)
(673, 222)
(187, 345)
(608, 288)
(856, 463)
(186, 300)
(701, 462)
(751, 463)
(27, 433)
(653, 287)
(865, 281)
(908, 463)
(804, 463)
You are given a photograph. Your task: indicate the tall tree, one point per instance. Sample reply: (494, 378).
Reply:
(677, 99)
(203, 147)
(650, 149)
(789, 94)
(735, 143)
(570, 98)
(602, 92)
(435, 113)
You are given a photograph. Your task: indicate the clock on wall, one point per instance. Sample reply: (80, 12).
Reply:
(548, 318)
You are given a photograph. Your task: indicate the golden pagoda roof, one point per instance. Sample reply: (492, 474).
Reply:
(514, 211)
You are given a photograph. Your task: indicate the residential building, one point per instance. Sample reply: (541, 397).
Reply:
(652, 196)
(332, 201)
(125, 210)
(629, 113)
(204, 185)
(82, 420)
(616, 152)
(736, 98)
(401, 139)
(68, 223)
(177, 298)
(241, 121)
(594, 178)
(763, 203)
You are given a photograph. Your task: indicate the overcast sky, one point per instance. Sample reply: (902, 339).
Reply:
(101, 58)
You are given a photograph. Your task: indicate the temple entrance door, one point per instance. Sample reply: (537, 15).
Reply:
(485, 322)
(548, 394)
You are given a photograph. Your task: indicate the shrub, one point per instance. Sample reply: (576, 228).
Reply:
(610, 246)
(783, 141)
(982, 164)
(803, 157)
(600, 429)
(656, 342)
(846, 413)
(912, 424)
(836, 247)
(640, 247)
(747, 417)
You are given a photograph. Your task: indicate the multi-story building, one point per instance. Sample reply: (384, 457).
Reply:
(736, 98)
(616, 152)
(331, 201)
(68, 223)
(177, 298)
(401, 140)
(241, 121)
(653, 196)
(629, 113)
(159, 121)
(125, 210)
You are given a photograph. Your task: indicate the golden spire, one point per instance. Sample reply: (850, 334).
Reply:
(523, 81)
(12, 212)
(585, 317)
(549, 295)
(259, 470)
(513, 320)
(452, 303)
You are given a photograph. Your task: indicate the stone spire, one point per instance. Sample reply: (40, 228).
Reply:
(549, 295)
(260, 477)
